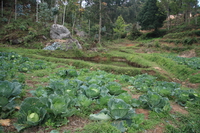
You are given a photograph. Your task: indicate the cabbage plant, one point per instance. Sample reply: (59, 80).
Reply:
(83, 101)
(118, 109)
(61, 105)
(9, 91)
(32, 112)
(155, 102)
(93, 91)
(114, 88)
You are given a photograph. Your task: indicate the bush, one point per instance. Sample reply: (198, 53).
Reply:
(195, 78)
(189, 41)
(154, 34)
(134, 34)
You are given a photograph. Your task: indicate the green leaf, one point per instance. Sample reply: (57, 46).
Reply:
(120, 125)
(99, 116)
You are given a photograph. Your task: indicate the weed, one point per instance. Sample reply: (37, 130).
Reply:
(100, 127)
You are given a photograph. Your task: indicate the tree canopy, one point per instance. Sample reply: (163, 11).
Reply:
(151, 17)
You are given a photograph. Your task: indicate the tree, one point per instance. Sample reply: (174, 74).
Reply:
(119, 26)
(1, 8)
(151, 17)
(37, 4)
(65, 4)
(15, 9)
(166, 4)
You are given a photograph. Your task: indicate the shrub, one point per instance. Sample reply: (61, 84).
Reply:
(134, 34)
(189, 41)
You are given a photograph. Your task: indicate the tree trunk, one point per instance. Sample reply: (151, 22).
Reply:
(64, 15)
(56, 16)
(15, 9)
(168, 15)
(37, 11)
(196, 15)
(89, 27)
(100, 21)
(2, 8)
(80, 12)
(73, 24)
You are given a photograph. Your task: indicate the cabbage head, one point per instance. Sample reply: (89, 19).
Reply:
(93, 91)
(32, 112)
(33, 117)
(119, 109)
(114, 88)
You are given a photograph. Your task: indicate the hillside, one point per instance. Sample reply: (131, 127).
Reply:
(148, 84)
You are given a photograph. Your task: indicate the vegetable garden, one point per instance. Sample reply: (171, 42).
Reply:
(96, 95)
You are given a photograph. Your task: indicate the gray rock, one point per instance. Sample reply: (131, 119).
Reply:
(54, 46)
(80, 33)
(72, 44)
(67, 45)
(59, 32)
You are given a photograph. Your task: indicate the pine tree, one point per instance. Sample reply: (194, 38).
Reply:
(151, 17)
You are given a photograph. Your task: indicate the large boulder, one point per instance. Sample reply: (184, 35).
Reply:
(59, 32)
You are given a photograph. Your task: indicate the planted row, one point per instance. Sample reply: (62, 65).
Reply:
(12, 63)
(171, 90)
(193, 62)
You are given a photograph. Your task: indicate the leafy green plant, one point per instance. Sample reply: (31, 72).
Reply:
(155, 102)
(9, 91)
(32, 112)
(93, 91)
(183, 96)
(68, 73)
(83, 101)
(100, 127)
(60, 105)
(114, 88)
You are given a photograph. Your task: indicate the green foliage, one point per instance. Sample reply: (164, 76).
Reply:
(45, 14)
(194, 78)
(180, 71)
(114, 88)
(155, 102)
(99, 116)
(9, 91)
(193, 62)
(100, 127)
(93, 91)
(154, 34)
(189, 41)
(68, 73)
(184, 96)
(60, 105)
(118, 109)
(151, 17)
(29, 107)
(134, 33)
(119, 28)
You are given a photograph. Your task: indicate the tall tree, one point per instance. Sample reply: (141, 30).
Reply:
(196, 6)
(65, 4)
(37, 4)
(15, 9)
(151, 17)
(100, 21)
(166, 4)
(1, 8)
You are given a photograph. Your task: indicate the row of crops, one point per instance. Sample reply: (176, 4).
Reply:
(82, 92)
(193, 63)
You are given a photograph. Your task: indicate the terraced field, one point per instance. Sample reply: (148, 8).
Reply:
(124, 87)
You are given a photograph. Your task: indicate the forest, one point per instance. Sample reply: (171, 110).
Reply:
(100, 66)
